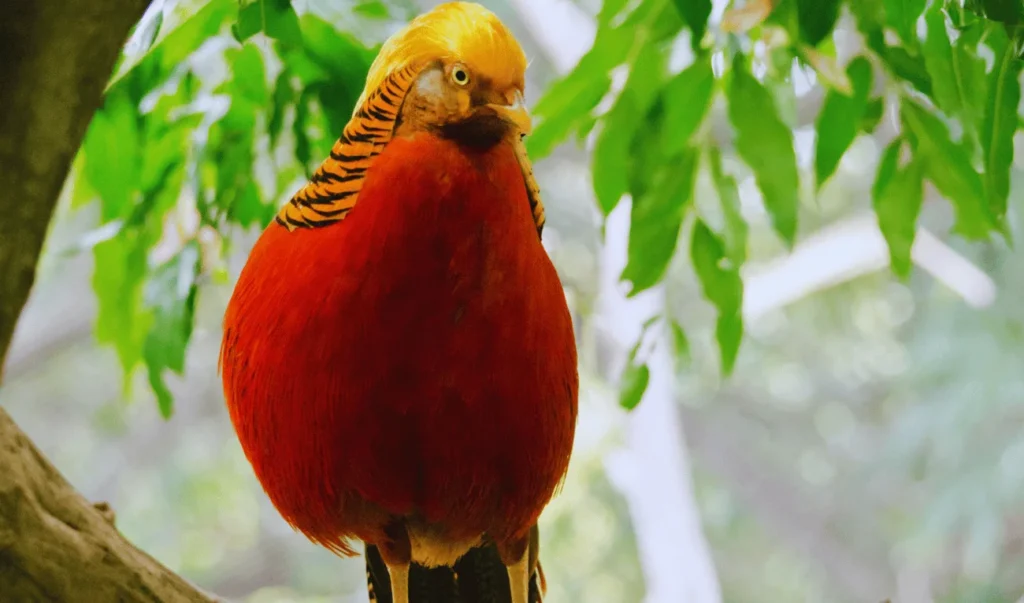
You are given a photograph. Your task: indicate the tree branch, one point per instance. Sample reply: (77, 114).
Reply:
(56, 546)
(55, 59)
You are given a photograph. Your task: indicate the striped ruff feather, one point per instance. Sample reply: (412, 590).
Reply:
(332, 191)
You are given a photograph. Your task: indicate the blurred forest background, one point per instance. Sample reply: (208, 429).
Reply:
(864, 441)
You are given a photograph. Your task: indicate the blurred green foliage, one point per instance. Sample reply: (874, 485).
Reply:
(152, 140)
(220, 109)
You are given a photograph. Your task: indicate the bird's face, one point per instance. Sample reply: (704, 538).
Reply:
(467, 102)
(470, 75)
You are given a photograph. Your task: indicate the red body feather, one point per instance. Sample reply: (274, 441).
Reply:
(416, 359)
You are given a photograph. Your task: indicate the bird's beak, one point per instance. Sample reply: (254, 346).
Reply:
(514, 111)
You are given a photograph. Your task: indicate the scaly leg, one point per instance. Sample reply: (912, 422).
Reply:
(399, 582)
(519, 579)
(516, 557)
(397, 555)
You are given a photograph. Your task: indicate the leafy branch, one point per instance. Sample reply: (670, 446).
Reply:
(937, 84)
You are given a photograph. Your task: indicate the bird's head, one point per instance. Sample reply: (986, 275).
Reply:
(470, 75)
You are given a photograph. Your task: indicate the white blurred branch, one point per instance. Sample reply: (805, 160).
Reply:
(653, 471)
(852, 248)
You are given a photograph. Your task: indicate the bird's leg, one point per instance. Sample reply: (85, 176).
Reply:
(516, 557)
(396, 551)
(399, 582)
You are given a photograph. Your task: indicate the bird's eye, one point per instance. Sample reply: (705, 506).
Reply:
(460, 76)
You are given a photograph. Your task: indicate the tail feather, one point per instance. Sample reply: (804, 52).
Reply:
(478, 577)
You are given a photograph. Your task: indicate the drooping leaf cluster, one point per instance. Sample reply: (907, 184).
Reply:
(954, 91)
(188, 144)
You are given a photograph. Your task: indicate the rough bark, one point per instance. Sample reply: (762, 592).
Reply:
(55, 59)
(56, 546)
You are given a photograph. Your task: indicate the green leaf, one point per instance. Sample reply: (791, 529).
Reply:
(303, 153)
(248, 75)
(687, 98)
(960, 16)
(232, 142)
(938, 59)
(720, 280)
(171, 294)
(900, 62)
(612, 151)
(999, 127)
(840, 119)
(817, 18)
(782, 13)
(373, 9)
(165, 153)
(696, 14)
(233, 153)
(902, 16)
(633, 384)
(646, 75)
(656, 218)
(766, 145)
(563, 107)
(1003, 11)
(949, 167)
(646, 159)
(729, 333)
(870, 16)
(680, 343)
(112, 149)
(117, 280)
(957, 72)
(735, 234)
(337, 99)
(609, 10)
(887, 166)
(568, 102)
(329, 54)
(872, 115)
(635, 375)
(668, 23)
(907, 66)
(274, 18)
(897, 196)
(284, 96)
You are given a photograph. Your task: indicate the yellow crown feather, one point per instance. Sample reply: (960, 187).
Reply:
(454, 31)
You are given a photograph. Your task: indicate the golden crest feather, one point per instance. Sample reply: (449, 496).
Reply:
(454, 31)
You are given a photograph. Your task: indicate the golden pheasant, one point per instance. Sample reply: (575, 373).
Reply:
(398, 358)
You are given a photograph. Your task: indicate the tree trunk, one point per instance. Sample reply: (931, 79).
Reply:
(55, 59)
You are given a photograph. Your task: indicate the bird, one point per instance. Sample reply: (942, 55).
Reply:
(398, 358)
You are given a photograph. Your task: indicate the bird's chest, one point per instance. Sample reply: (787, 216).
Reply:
(468, 276)
(440, 275)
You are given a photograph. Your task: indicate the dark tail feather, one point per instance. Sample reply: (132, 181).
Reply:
(479, 577)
